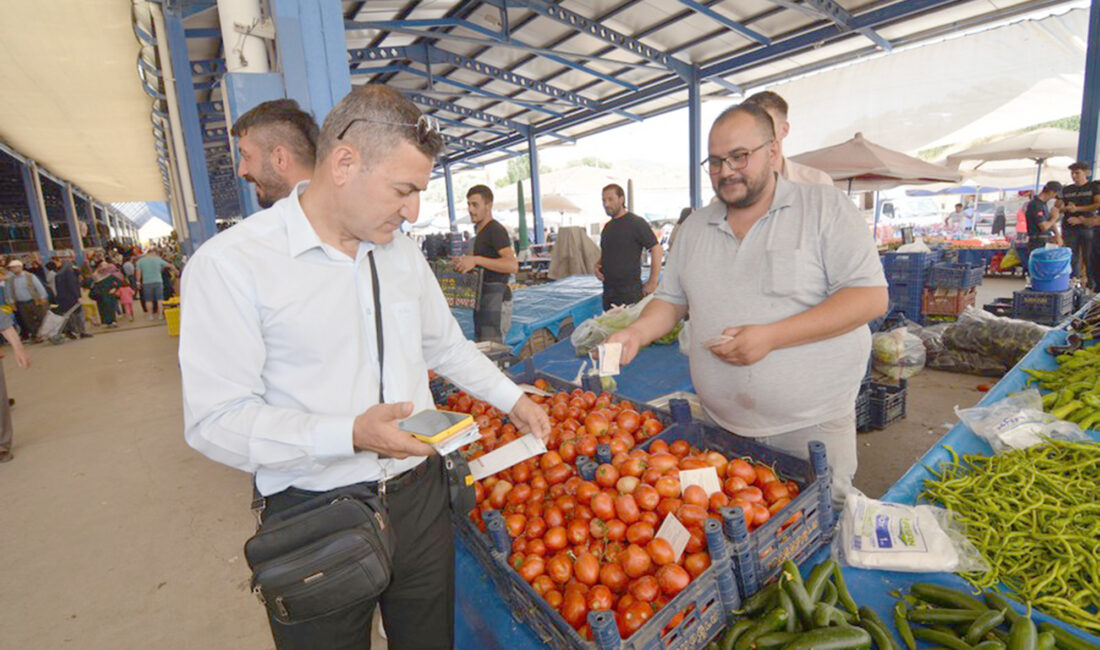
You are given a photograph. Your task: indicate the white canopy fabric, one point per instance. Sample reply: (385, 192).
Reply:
(1033, 145)
(72, 99)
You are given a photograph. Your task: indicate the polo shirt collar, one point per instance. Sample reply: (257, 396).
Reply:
(784, 198)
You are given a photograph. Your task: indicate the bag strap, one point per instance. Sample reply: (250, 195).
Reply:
(376, 290)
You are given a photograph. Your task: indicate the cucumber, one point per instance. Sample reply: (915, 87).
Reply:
(983, 624)
(935, 615)
(1046, 641)
(941, 638)
(733, 633)
(832, 638)
(990, 645)
(997, 601)
(775, 640)
(815, 584)
(883, 639)
(802, 603)
(1023, 635)
(945, 597)
(759, 602)
(1067, 640)
(771, 622)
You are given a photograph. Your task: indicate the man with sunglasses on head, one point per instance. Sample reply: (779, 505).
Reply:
(307, 334)
(277, 144)
(781, 280)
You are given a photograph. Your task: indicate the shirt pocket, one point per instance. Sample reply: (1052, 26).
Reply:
(405, 332)
(782, 271)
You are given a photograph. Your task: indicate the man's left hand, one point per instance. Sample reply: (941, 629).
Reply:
(465, 263)
(750, 344)
(530, 418)
(648, 288)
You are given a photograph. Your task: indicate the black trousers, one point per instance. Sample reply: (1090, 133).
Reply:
(418, 606)
(621, 294)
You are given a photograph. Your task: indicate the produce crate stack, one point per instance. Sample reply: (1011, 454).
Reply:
(1043, 307)
(887, 404)
(906, 274)
(949, 289)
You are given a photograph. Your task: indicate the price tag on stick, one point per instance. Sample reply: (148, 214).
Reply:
(706, 478)
(504, 457)
(673, 532)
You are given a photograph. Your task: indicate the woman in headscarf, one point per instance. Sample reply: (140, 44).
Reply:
(106, 279)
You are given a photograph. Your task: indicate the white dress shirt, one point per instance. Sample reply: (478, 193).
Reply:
(278, 350)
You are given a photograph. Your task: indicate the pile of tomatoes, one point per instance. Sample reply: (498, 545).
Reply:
(587, 545)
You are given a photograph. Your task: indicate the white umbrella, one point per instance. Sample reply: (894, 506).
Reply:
(1037, 145)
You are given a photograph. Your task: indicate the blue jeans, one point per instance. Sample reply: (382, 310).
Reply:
(153, 291)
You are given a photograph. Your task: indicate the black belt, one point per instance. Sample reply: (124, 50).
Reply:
(403, 479)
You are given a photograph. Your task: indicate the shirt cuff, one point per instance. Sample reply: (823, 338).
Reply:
(504, 396)
(666, 296)
(332, 437)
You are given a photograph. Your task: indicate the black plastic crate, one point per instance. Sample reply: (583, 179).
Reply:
(796, 532)
(1044, 307)
(887, 404)
(863, 410)
(999, 307)
(955, 276)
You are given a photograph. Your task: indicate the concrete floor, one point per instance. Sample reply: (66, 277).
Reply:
(116, 535)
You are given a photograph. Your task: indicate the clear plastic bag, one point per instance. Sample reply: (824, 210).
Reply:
(898, 354)
(1018, 422)
(1004, 339)
(894, 537)
(593, 331)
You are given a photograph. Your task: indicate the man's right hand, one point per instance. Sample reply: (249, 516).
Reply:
(376, 430)
(599, 271)
(632, 342)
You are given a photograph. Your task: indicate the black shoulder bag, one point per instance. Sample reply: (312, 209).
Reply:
(328, 553)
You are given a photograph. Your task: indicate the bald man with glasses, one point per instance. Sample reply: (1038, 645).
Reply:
(780, 279)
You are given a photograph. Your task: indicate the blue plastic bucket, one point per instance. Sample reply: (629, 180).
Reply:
(1049, 268)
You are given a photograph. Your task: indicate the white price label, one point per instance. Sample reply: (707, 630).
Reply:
(504, 457)
(673, 532)
(610, 356)
(706, 478)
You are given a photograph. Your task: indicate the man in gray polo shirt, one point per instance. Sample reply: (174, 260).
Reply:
(780, 279)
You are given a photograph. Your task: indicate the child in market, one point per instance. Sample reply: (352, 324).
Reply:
(126, 299)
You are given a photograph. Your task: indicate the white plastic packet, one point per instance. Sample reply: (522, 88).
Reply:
(893, 537)
(1018, 422)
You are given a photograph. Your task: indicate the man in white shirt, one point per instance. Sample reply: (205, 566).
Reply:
(776, 107)
(781, 279)
(280, 350)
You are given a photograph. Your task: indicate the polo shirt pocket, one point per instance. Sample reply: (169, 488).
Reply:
(781, 271)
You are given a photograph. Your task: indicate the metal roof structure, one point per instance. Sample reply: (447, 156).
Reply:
(497, 72)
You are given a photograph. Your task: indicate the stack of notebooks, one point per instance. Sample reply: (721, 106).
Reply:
(446, 431)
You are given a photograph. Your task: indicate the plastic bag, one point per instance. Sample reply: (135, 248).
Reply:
(593, 331)
(1011, 259)
(898, 354)
(939, 357)
(918, 246)
(895, 537)
(1004, 339)
(1018, 422)
(684, 338)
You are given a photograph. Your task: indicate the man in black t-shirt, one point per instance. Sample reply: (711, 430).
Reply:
(622, 242)
(1040, 225)
(1079, 206)
(493, 254)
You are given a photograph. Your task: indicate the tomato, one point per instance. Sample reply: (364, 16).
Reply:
(752, 494)
(627, 484)
(515, 524)
(599, 597)
(597, 529)
(596, 424)
(674, 621)
(532, 567)
(464, 403)
(616, 530)
(626, 508)
(680, 448)
(650, 476)
(635, 617)
(560, 569)
(668, 487)
(774, 491)
(718, 462)
(542, 584)
(583, 512)
(691, 515)
(695, 495)
(574, 609)
(536, 528)
(697, 563)
(585, 492)
(555, 538)
(586, 445)
(672, 579)
(662, 462)
(549, 459)
(658, 447)
(499, 494)
(764, 475)
(618, 445)
(519, 545)
(568, 451)
(587, 569)
(647, 497)
(740, 468)
(558, 473)
(650, 517)
(479, 492)
(668, 506)
(607, 475)
(628, 421)
(519, 493)
(639, 533)
(718, 500)
(635, 561)
(793, 488)
(644, 589)
(760, 514)
(650, 428)
(778, 504)
(515, 560)
(660, 551)
(613, 577)
(603, 506)
(577, 531)
(521, 473)
(697, 541)
(633, 467)
(554, 516)
(733, 485)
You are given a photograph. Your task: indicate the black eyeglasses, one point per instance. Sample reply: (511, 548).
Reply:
(425, 127)
(734, 161)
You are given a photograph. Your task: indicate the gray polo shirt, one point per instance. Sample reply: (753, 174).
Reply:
(811, 243)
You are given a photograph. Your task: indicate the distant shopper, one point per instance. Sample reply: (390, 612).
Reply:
(27, 296)
(999, 222)
(1079, 205)
(776, 107)
(622, 241)
(277, 143)
(126, 299)
(7, 330)
(1040, 225)
(105, 283)
(150, 280)
(956, 221)
(494, 254)
(68, 297)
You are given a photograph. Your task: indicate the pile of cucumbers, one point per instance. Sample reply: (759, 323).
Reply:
(957, 621)
(817, 613)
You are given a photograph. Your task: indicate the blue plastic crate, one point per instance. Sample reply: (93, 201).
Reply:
(863, 410)
(796, 532)
(899, 291)
(975, 257)
(1044, 307)
(886, 404)
(955, 276)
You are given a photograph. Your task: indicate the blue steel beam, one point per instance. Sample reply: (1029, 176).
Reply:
(32, 188)
(1087, 149)
(841, 17)
(536, 189)
(468, 126)
(203, 32)
(481, 91)
(599, 31)
(725, 21)
(471, 113)
(71, 219)
(695, 132)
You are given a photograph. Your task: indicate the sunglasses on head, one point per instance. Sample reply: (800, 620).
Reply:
(425, 127)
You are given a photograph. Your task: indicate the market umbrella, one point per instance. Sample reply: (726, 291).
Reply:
(550, 203)
(1037, 145)
(861, 165)
(522, 219)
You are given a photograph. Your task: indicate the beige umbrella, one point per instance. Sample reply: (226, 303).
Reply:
(550, 203)
(1037, 145)
(860, 164)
